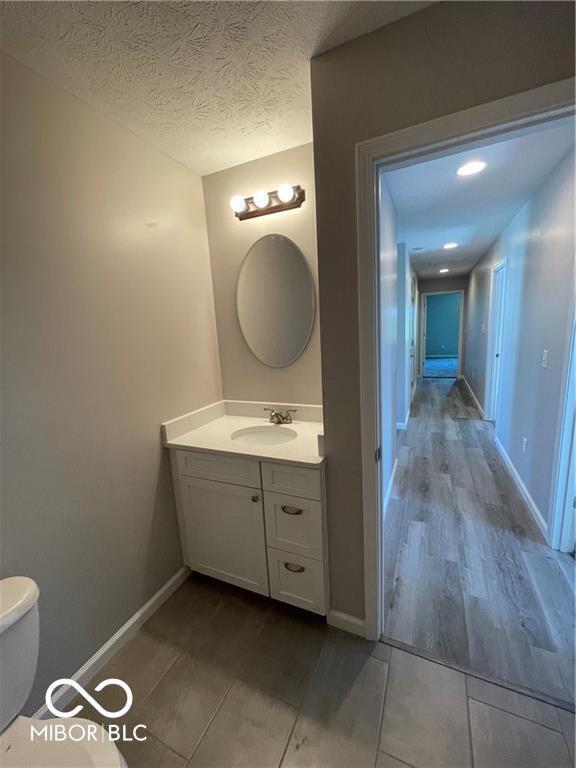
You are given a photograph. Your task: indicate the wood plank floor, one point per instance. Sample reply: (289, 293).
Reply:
(468, 577)
(225, 678)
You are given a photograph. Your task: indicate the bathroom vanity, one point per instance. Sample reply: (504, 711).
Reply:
(251, 501)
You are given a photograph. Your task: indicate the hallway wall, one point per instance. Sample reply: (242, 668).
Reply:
(108, 329)
(456, 61)
(539, 247)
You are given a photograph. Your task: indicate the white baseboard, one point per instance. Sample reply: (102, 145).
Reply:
(118, 639)
(388, 493)
(347, 623)
(476, 403)
(402, 425)
(522, 490)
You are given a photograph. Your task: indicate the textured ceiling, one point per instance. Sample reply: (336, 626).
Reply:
(435, 206)
(213, 84)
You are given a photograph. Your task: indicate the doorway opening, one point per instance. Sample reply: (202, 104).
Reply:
(467, 573)
(442, 324)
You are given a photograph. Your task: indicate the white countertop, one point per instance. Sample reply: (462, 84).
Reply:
(215, 437)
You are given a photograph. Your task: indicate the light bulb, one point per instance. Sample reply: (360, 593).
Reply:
(285, 193)
(238, 204)
(469, 169)
(449, 246)
(261, 199)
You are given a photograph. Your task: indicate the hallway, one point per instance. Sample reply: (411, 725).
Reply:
(468, 577)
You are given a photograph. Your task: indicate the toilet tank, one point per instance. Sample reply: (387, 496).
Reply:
(19, 637)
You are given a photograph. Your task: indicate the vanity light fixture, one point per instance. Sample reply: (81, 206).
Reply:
(449, 246)
(261, 203)
(443, 270)
(469, 169)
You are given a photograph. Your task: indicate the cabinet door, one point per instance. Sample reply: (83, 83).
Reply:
(224, 531)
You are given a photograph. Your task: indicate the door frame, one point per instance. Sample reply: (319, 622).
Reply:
(424, 321)
(491, 385)
(561, 532)
(439, 137)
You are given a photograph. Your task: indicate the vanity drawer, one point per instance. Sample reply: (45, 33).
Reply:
(294, 481)
(296, 580)
(293, 524)
(224, 469)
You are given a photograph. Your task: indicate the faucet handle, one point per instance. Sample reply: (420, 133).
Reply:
(288, 416)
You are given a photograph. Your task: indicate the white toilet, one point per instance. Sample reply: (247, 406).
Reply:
(19, 638)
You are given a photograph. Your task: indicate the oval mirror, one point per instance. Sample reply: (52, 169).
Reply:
(275, 300)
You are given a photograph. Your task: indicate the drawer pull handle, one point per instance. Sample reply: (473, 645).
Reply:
(255, 498)
(294, 568)
(291, 510)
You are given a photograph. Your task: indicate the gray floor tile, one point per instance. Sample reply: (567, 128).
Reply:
(338, 724)
(425, 720)
(502, 740)
(150, 754)
(285, 654)
(387, 761)
(516, 703)
(250, 729)
(141, 663)
(567, 724)
(183, 703)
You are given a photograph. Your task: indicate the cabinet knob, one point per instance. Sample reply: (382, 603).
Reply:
(291, 510)
(294, 568)
(255, 498)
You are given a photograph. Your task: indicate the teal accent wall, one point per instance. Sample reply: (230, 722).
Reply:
(442, 324)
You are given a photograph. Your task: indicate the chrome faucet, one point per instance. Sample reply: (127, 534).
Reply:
(279, 417)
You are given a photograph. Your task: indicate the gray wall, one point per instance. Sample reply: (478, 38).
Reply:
(108, 329)
(460, 55)
(539, 248)
(244, 376)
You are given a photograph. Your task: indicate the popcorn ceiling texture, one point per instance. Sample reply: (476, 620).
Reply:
(213, 84)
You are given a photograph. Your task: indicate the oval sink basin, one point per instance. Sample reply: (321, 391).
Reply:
(272, 435)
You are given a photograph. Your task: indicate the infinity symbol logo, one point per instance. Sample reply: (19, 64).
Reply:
(85, 695)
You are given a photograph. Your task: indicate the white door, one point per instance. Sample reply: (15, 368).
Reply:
(495, 347)
(224, 530)
(423, 334)
(568, 535)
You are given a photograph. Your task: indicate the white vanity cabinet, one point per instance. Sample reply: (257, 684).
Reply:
(223, 532)
(257, 524)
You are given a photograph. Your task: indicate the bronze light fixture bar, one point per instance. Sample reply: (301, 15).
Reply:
(274, 205)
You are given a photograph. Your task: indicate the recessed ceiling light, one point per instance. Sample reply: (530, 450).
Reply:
(445, 269)
(449, 246)
(469, 169)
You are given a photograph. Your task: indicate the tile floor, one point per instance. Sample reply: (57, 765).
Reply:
(223, 677)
